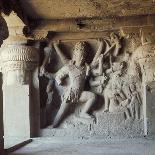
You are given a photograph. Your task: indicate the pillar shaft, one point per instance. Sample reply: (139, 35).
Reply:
(21, 102)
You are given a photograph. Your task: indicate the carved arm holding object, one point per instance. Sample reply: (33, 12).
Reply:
(47, 54)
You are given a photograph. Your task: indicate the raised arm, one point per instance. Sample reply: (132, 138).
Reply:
(60, 53)
(47, 54)
(100, 48)
(99, 70)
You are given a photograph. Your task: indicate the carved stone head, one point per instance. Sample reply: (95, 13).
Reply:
(132, 87)
(79, 53)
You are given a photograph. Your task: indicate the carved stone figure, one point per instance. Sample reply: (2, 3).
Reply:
(98, 66)
(135, 102)
(49, 88)
(77, 71)
(111, 49)
(115, 99)
(50, 76)
(47, 55)
(98, 78)
(115, 83)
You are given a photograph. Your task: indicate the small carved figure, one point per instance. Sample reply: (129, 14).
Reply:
(98, 66)
(77, 71)
(135, 102)
(115, 83)
(115, 99)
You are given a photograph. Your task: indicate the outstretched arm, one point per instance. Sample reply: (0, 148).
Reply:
(60, 53)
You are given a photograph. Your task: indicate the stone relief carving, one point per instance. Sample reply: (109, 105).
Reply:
(77, 70)
(144, 59)
(49, 76)
(108, 75)
(135, 102)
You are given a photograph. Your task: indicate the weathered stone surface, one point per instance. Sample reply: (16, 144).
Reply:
(16, 111)
(88, 25)
(85, 8)
(126, 25)
(107, 126)
(149, 108)
(92, 146)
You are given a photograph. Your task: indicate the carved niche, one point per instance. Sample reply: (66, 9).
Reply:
(101, 94)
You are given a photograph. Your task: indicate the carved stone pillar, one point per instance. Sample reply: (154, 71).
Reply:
(144, 58)
(18, 62)
(20, 91)
(3, 35)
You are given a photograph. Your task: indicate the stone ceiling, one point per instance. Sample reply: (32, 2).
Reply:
(60, 9)
(36, 18)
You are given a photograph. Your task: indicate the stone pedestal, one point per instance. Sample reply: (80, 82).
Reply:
(149, 108)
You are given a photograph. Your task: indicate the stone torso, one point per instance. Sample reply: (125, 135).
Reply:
(77, 76)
